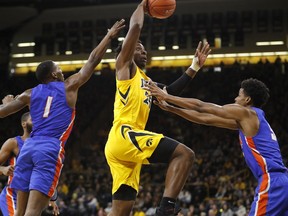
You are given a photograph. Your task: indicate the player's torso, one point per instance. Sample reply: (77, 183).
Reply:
(262, 152)
(132, 103)
(50, 113)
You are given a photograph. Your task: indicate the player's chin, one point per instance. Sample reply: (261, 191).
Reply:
(141, 64)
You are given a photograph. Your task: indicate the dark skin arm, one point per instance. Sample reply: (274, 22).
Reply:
(74, 82)
(125, 66)
(8, 148)
(11, 104)
(232, 116)
(199, 118)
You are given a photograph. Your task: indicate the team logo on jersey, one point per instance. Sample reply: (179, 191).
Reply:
(132, 135)
(124, 96)
(149, 142)
(148, 99)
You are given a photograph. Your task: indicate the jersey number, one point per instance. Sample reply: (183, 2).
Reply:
(47, 107)
(273, 136)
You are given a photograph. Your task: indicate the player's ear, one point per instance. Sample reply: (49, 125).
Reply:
(248, 100)
(54, 75)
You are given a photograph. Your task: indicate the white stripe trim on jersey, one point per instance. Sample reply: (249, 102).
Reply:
(11, 197)
(71, 122)
(268, 175)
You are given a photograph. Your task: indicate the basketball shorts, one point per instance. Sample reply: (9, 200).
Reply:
(8, 198)
(126, 150)
(39, 165)
(271, 195)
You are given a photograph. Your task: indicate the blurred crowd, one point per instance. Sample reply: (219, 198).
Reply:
(219, 184)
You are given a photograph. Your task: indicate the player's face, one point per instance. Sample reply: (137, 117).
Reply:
(59, 74)
(241, 99)
(28, 124)
(140, 56)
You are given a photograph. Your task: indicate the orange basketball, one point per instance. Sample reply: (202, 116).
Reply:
(161, 9)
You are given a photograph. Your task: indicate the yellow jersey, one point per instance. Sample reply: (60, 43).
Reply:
(132, 103)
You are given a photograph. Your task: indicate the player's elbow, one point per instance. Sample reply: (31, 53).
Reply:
(136, 26)
(2, 114)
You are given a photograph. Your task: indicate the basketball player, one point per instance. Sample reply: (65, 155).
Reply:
(129, 145)
(9, 153)
(257, 139)
(52, 108)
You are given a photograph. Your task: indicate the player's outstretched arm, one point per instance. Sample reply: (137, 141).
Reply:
(229, 111)
(199, 118)
(125, 57)
(11, 104)
(78, 79)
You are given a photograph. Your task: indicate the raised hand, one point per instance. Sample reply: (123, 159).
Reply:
(115, 29)
(202, 53)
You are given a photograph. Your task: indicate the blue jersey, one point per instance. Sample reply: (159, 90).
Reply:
(262, 152)
(8, 195)
(50, 113)
(41, 160)
(263, 157)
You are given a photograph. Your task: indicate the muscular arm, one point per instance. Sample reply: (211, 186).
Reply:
(95, 57)
(8, 148)
(12, 105)
(125, 57)
(203, 118)
(229, 111)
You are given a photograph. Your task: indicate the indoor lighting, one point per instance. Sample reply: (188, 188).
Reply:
(28, 44)
(175, 47)
(269, 43)
(161, 48)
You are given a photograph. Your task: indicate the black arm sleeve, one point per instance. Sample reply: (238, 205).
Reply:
(178, 85)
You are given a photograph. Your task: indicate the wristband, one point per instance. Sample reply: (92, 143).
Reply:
(195, 66)
(54, 196)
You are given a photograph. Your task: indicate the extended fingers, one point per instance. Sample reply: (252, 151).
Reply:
(206, 49)
(120, 23)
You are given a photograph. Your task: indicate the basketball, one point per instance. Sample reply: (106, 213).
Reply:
(161, 9)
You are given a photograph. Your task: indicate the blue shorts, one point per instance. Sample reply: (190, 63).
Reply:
(271, 195)
(39, 165)
(8, 199)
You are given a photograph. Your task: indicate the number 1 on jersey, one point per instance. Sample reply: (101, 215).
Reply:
(47, 107)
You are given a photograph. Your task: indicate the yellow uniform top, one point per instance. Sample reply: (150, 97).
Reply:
(132, 103)
(129, 145)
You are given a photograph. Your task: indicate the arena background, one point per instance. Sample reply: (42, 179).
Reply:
(249, 39)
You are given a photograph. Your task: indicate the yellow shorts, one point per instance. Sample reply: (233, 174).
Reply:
(126, 150)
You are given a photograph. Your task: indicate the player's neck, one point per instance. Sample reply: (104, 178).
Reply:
(25, 135)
